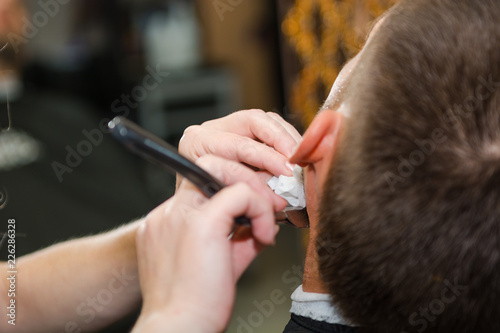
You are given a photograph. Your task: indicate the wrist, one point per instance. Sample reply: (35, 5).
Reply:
(123, 244)
(169, 320)
(119, 249)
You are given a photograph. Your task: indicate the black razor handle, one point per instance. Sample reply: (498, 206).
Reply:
(159, 152)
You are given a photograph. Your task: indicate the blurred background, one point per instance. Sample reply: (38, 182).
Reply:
(68, 67)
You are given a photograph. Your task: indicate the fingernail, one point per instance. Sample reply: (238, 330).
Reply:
(276, 230)
(290, 166)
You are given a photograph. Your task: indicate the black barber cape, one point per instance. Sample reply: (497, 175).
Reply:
(299, 324)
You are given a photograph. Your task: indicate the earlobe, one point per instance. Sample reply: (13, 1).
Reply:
(319, 139)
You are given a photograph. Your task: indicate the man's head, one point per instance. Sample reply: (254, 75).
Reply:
(11, 14)
(409, 172)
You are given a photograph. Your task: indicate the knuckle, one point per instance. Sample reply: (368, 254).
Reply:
(141, 232)
(274, 115)
(248, 113)
(191, 131)
(189, 135)
(250, 150)
(257, 112)
(242, 187)
(248, 141)
(212, 164)
(206, 160)
(146, 230)
(208, 123)
(197, 201)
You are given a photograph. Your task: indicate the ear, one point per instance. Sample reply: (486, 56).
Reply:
(319, 139)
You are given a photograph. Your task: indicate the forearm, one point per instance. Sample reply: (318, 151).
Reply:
(160, 322)
(177, 316)
(85, 283)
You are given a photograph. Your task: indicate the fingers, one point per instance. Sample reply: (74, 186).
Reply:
(245, 249)
(246, 150)
(288, 127)
(262, 140)
(264, 176)
(257, 124)
(233, 173)
(230, 172)
(238, 200)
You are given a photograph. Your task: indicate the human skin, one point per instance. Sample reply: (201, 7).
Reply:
(53, 283)
(188, 267)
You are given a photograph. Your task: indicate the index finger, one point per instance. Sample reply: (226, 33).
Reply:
(259, 125)
(230, 172)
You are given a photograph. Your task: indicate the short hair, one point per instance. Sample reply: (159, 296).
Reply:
(410, 211)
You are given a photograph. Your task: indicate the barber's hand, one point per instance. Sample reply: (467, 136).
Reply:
(187, 265)
(262, 140)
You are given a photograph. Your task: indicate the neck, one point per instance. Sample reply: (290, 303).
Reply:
(311, 281)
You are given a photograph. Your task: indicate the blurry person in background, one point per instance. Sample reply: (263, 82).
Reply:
(11, 13)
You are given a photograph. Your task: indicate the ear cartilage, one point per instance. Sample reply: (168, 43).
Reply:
(291, 189)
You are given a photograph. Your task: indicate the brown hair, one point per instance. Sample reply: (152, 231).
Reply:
(413, 195)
